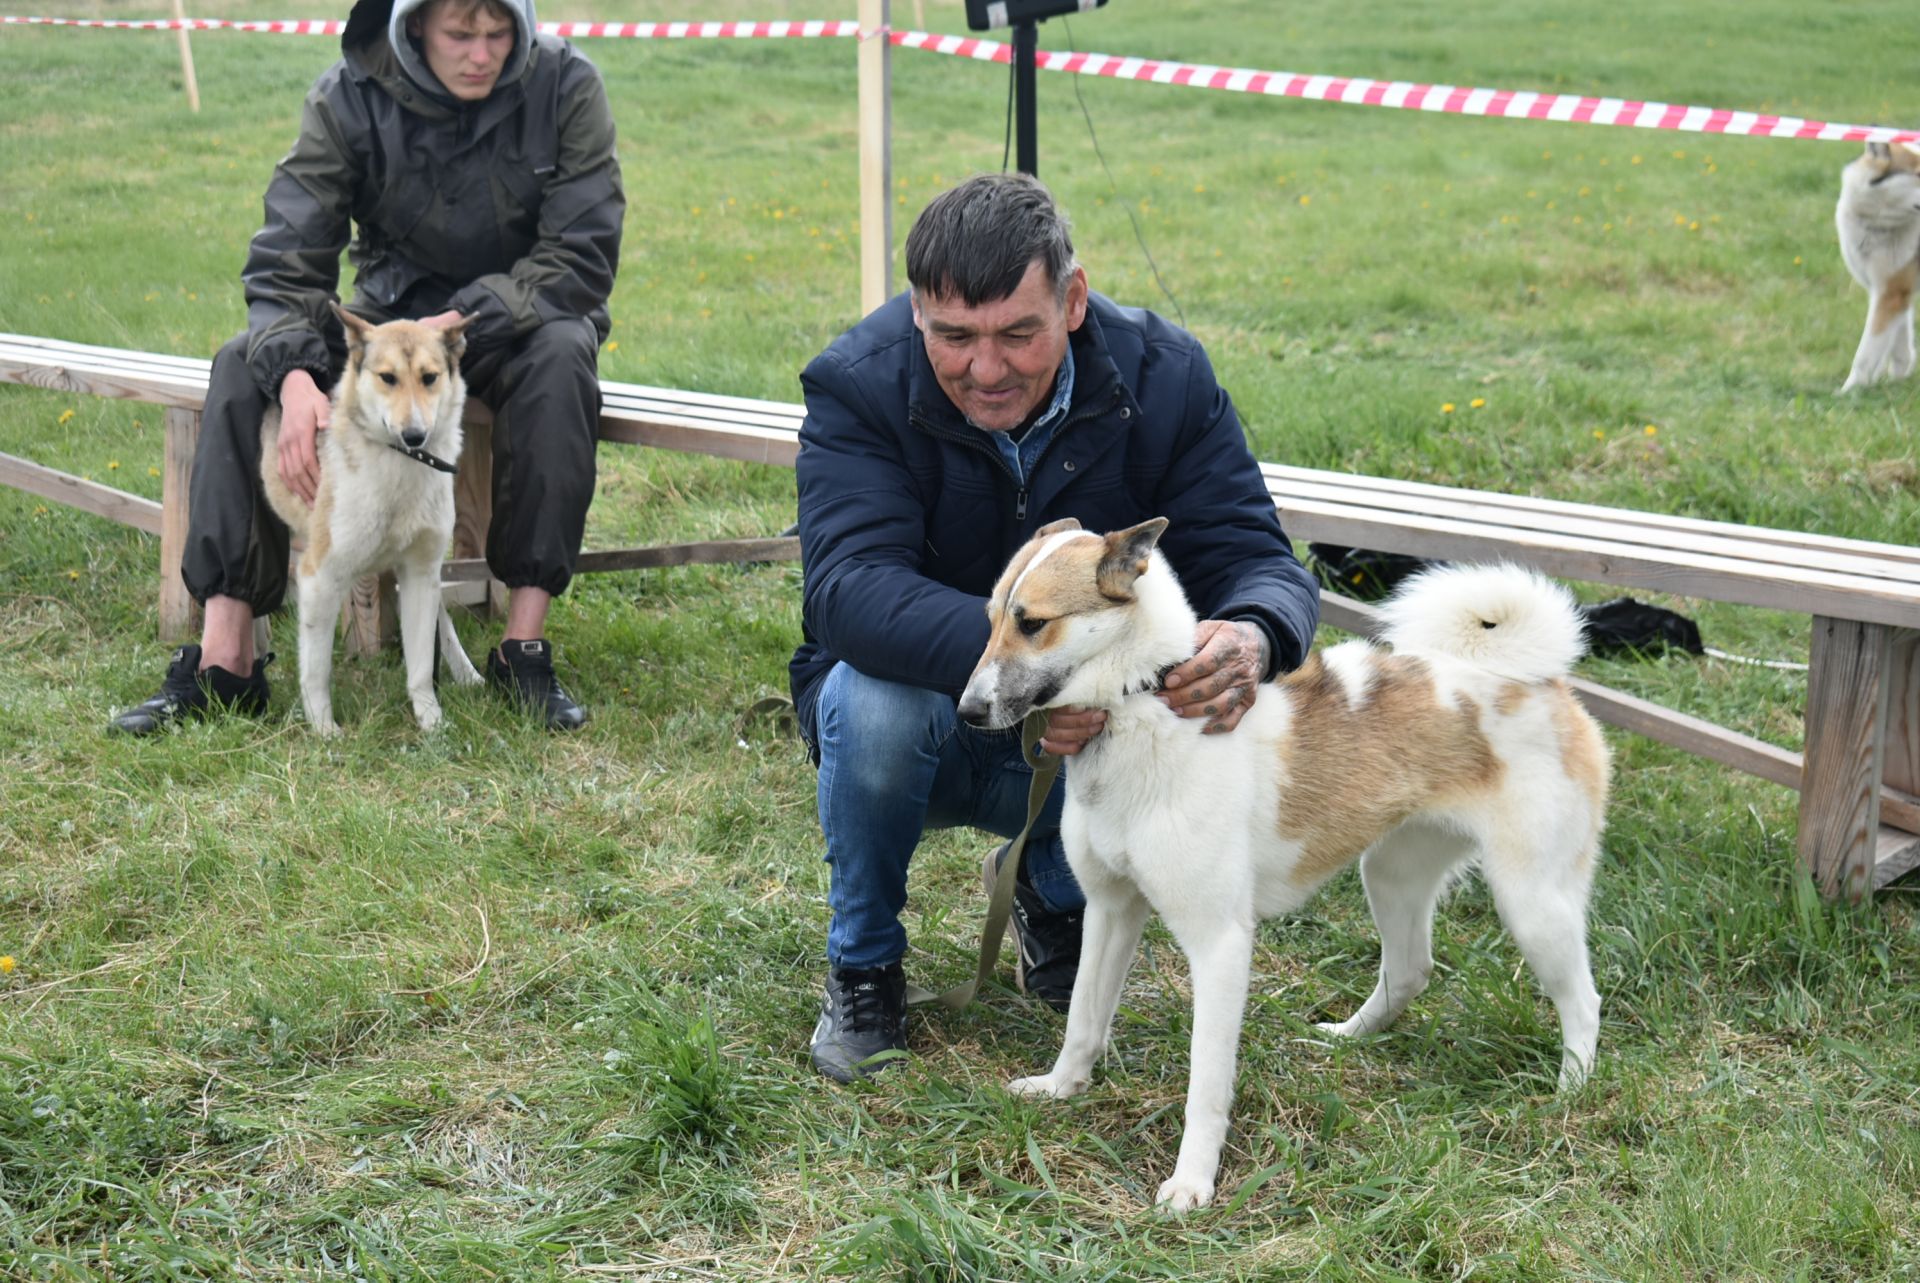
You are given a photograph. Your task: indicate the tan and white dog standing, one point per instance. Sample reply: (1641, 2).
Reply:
(1879, 222)
(1462, 745)
(378, 508)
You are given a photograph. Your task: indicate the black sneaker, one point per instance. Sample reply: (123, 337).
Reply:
(863, 1014)
(188, 692)
(1048, 956)
(524, 671)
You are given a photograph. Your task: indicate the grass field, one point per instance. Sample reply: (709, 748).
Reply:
(490, 1004)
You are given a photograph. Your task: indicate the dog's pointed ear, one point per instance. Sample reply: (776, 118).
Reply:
(1055, 527)
(1127, 558)
(454, 337)
(1880, 152)
(357, 328)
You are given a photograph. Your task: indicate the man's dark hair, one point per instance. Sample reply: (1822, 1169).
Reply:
(975, 241)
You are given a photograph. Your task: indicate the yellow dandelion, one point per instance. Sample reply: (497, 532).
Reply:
(1679, 155)
(1636, 160)
(1694, 226)
(1606, 227)
(696, 209)
(193, 298)
(66, 416)
(731, 202)
(153, 472)
(781, 213)
(1531, 193)
(1306, 200)
(750, 258)
(706, 313)
(1652, 431)
(152, 296)
(1478, 402)
(1199, 189)
(1598, 435)
(613, 346)
(1426, 204)
(40, 511)
(1578, 219)
(1679, 220)
(1586, 191)
(113, 465)
(1553, 204)
(1546, 155)
(73, 574)
(1447, 408)
(7, 964)
(1796, 260)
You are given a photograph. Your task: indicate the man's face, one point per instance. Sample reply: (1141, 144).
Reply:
(996, 362)
(466, 47)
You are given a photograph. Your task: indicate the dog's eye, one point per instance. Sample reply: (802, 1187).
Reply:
(388, 379)
(428, 378)
(1029, 626)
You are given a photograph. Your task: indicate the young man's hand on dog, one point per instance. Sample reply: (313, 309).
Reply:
(304, 412)
(1221, 680)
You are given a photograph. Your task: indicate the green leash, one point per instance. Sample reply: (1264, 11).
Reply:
(1046, 768)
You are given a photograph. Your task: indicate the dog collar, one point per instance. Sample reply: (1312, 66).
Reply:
(433, 461)
(1158, 684)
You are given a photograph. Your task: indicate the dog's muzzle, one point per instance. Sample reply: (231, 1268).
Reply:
(413, 438)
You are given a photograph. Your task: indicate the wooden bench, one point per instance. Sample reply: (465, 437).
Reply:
(731, 427)
(1858, 777)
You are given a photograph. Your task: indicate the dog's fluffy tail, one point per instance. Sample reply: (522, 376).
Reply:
(1505, 619)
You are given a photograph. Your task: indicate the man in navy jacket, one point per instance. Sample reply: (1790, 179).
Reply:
(996, 396)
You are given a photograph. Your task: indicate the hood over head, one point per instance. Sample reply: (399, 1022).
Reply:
(368, 15)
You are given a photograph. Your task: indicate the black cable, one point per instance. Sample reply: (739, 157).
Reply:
(1006, 148)
(1138, 235)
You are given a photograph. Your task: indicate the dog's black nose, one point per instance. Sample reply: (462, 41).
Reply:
(414, 440)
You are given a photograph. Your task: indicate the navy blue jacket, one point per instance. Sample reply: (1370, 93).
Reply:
(908, 514)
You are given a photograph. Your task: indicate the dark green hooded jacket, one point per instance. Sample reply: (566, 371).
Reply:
(507, 209)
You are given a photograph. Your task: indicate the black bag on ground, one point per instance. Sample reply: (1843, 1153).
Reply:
(1361, 573)
(1624, 626)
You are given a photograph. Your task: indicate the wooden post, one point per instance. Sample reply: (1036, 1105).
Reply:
(1847, 687)
(186, 56)
(473, 503)
(876, 156)
(179, 613)
(1899, 851)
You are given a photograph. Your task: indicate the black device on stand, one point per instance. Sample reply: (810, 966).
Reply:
(1023, 16)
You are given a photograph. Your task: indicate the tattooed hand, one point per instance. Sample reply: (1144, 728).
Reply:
(1220, 682)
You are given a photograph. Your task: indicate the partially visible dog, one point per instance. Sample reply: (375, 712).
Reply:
(381, 504)
(1462, 745)
(1879, 221)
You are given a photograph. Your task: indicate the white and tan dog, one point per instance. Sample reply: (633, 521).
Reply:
(1879, 222)
(1462, 745)
(378, 508)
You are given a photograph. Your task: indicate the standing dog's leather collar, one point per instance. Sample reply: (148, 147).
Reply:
(433, 461)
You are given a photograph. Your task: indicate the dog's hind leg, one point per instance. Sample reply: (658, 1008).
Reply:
(1110, 936)
(320, 601)
(1900, 365)
(418, 581)
(1542, 899)
(1220, 951)
(458, 665)
(1404, 873)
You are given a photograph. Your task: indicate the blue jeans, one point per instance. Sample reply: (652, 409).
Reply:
(895, 761)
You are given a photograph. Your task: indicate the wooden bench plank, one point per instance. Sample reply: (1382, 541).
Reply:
(1732, 543)
(78, 492)
(1553, 509)
(1879, 601)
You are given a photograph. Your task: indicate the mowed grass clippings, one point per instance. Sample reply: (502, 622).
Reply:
(492, 1004)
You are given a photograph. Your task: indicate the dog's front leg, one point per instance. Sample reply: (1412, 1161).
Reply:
(1109, 938)
(1876, 343)
(320, 601)
(1221, 955)
(418, 582)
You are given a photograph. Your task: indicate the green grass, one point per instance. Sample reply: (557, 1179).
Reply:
(490, 1004)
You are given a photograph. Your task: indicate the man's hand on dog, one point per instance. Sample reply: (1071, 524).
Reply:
(1221, 680)
(304, 412)
(1219, 683)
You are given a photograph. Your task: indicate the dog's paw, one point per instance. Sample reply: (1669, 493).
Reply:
(1179, 1194)
(327, 729)
(427, 713)
(1044, 1085)
(1340, 1028)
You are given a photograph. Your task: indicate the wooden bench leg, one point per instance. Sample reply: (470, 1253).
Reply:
(179, 612)
(1899, 851)
(473, 509)
(1848, 686)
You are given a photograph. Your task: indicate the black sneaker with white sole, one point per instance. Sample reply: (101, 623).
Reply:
(863, 1014)
(1047, 956)
(523, 671)
(188, 692)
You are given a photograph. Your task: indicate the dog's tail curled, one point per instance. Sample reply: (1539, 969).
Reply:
(1505, 619)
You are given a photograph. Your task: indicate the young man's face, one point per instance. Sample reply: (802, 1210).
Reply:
(995, 362)
(466, 47)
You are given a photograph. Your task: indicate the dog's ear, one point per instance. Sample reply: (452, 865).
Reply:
(1055, 527)
(1880, 152)
(454, 338)
(1904, 156)
(1126, 558)
(357, 328)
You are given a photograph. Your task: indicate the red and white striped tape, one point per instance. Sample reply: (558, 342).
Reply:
(1459, 100)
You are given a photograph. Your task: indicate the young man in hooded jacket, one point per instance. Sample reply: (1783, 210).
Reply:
(471, 161)
(997, 395)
